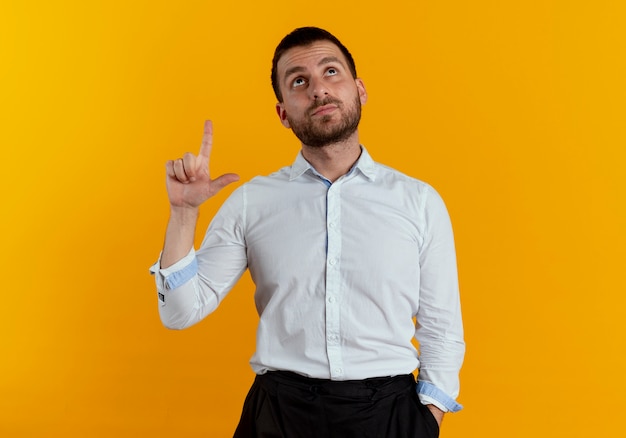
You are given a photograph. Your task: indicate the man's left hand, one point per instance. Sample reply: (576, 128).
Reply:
(437, 413)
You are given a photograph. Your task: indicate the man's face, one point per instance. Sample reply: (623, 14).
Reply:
(321, 100)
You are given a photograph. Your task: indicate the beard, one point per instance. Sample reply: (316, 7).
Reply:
(322, 132)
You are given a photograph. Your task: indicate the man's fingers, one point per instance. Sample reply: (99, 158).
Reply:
(189, 165)
(174, 169)
(207, 140)
(222, 181)
(179, 171)
(169, 169)
(190, 168)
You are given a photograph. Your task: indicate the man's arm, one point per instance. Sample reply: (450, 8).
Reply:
(185, 294)
(439, 323)
(189, 184)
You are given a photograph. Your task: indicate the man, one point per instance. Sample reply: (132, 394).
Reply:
(350, 259)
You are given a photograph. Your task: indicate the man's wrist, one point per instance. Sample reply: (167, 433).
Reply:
(184, 212)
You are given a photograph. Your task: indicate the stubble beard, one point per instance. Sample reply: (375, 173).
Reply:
(321, 132)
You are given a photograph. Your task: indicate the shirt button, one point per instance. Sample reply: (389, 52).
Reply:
(331, 225)
(331, 299)
(338, 371)
(332, 262)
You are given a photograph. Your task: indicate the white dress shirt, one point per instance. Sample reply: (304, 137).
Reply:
(342, 271)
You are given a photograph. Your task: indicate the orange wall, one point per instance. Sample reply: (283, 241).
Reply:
(514, 111)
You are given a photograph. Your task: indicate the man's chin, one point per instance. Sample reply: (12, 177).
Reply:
(326, 139)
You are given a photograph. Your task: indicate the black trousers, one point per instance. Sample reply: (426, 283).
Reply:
(281, 404)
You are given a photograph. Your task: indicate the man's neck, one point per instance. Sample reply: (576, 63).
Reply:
(334, 160)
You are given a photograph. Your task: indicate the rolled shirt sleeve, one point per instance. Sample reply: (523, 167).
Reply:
(176, 275)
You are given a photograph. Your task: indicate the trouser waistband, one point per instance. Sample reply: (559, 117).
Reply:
(375, 387)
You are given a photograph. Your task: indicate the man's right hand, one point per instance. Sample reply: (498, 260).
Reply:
(188, 182)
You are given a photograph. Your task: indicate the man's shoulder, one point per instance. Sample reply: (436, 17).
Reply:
(269, 183)
(390, 175)
(277, 176)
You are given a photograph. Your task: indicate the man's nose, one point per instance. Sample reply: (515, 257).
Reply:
(318, 89)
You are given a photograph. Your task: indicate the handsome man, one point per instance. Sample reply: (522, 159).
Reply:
(350, 258)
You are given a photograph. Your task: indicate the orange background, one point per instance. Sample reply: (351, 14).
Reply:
(514, 111)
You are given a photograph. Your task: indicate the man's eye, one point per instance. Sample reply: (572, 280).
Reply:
(298, 81)
(331, 71)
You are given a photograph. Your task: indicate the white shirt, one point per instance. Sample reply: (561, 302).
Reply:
(341, 271)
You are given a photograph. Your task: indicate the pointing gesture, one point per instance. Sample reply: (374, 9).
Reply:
(188, 182)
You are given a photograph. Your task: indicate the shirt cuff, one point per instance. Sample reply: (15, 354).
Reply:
(177, 274)
(430, 394)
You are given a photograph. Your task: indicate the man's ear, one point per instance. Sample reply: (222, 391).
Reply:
(362, 91)
(282, 115)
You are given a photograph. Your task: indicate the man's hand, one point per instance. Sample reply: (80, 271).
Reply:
(437, 413)
(188, 182)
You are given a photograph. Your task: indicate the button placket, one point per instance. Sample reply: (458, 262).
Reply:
(333, 281)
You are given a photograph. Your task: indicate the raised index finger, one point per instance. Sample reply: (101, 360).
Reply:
(207, 140)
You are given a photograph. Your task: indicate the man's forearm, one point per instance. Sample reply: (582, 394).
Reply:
(180, 234)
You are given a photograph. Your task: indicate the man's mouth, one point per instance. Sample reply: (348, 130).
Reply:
(324, 109)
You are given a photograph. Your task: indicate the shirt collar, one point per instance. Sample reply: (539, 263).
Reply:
(365, 164)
